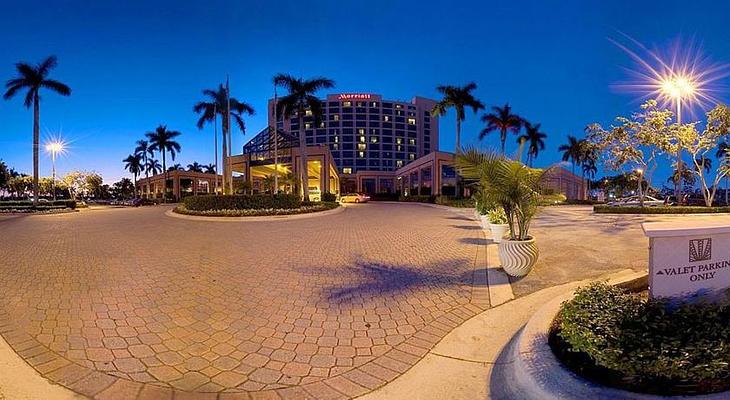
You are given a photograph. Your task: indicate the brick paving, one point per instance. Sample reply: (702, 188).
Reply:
(129, 303)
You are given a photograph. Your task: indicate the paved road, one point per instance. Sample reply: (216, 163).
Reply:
(129, 302)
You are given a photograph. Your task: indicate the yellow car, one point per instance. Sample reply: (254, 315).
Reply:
(354, 198)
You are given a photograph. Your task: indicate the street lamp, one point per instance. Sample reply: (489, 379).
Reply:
(54, 148)
(678, 88)
(641, 186)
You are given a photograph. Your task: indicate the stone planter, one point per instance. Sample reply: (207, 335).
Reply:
(518, 256)
(498, 231)
(484, 222)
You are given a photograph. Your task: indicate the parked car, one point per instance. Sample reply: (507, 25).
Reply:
(354, 198)
(634, 201)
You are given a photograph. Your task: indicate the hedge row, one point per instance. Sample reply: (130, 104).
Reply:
(27, 204)
(646, 345)
(251, 212)
(418, 199)
(603, 209)
(455, 202)
(242, 202)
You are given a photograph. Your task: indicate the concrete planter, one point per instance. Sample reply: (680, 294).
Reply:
(484, 222)
(498, 231)
(518, 256)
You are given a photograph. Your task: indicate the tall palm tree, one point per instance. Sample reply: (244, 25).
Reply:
(534, 139)
(572, 151)
(501, 119)
(195, 167)
(34, 78)
(144, 150)
(458, 98)
(723, 153)
(209, 169)
(176, 167)
(300, 98)
(134, 164)
(153, 166)
(161, 140)
(217, 104)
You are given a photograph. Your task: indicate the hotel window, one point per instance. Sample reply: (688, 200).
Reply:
(336, 117)
(386, 118)
(411, 121)
(360, 104)
(362, 139)
(347, 170)
(361, 154)
(398, 106)
(361, 131)
(411, 156)
(399, 140)
(374, 104)
(361, 146)
(321, 124)
(307, 126)
(398, 148)
(337, 139)
(308, 113)
(346, 104)
(412, 142)
(373, 139)
(398, 163)
(399, 112)
(335, 146)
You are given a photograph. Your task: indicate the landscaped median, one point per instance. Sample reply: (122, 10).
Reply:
(249, 205)
(604, 209)
(45, 207)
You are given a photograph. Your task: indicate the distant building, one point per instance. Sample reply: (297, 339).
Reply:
(571, 185)
(179, 183)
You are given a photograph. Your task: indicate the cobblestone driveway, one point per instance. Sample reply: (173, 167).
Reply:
(125, 303)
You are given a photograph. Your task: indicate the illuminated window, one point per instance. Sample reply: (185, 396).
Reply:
(361, 154)
(307, 126)
(335, 146)
(346, 104)
(412, 142)
(386, 118)
(373, 104)
(321, 124)
(398, 163)
(336, 117)
(308, 113)
(337, 139)
(361, 146)
(398, 112)
(398, 106)
(361, 131)
(362, 139)
(373, 139)
(398, 148)
(411, 156)
(360, 104)
(347, 170)
(411, 121)
(399, 140)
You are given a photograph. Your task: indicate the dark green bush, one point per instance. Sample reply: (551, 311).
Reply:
(645, 344)
(27, 204)
(329, 197)
(604, 209)
(242, 202)
(418, 199)
(452, 201)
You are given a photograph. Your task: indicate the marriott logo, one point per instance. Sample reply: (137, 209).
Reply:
(700, 249)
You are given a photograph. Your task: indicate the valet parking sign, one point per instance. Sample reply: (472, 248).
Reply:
(688, 259)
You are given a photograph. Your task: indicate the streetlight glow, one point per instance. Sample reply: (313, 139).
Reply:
(54, 147)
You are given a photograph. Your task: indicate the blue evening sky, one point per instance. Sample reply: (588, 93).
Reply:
(135, 64)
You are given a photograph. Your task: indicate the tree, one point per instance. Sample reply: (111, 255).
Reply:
(195, 167)
(4, 175)
(176, 167)
(20, 185)
(82, 183)
(458, 98)
(209, 169)
(534, 139)
(268, 183)
(143, 149)
(637, 142)
(216, 104)
(153, 166)
(503, 121)
(134, 164)
(124, 189)
(161, 140)
(34, 78)
(723, 153)
(299, 99)
(572, 151)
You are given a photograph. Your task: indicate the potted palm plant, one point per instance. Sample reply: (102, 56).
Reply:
(516, 188)
(498, 225)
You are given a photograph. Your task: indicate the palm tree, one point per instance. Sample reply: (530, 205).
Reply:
(501, 119)
(535, 141)
(209, 169)
(162, 141)
(134, 164)
(144, 150)
(723, 153)
(216, 104)
(300, 98)
(572, 151)
(458, 98)
(153, 166)
(195, 167)
(34, 78)
(268, 183)
(176, 167)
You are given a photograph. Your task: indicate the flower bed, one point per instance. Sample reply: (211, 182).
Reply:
(254, 212)
(242, 202)
(26, 206)
(603, 209)
(634, 343)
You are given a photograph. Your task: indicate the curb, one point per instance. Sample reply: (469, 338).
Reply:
(537, 374)
(341, 208)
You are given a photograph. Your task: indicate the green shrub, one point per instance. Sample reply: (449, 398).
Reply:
(604, 209)
(307, 207)
(28, 204)
(329, 197)
(551, 199)
(242, 202)
(418, 199)
(452, 201)
(646, 344)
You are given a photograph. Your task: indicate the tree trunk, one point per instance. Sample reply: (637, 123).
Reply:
(304, 174)
(164, 171)
(726, 187)
(503, 137)
(458, 135)
(36, 140)
(135, 186)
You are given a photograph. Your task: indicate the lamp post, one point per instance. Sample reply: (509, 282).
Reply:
(678, 88)
(54, 148)
(641, 186)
